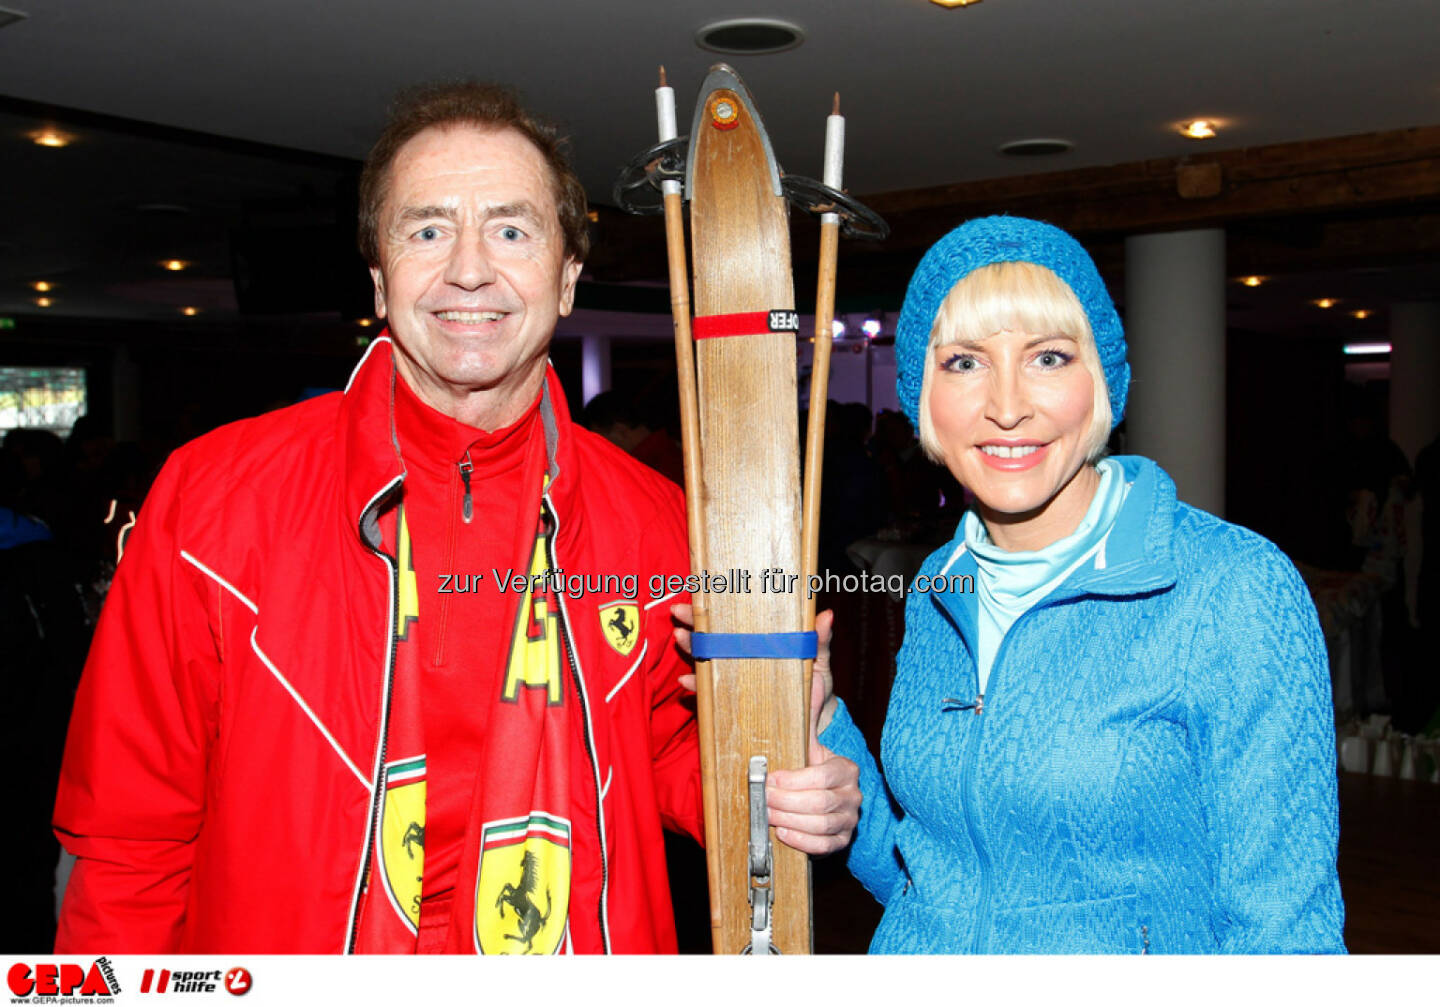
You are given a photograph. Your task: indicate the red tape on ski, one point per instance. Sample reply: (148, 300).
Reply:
(745, 323)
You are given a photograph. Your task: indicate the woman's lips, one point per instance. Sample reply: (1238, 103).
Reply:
(1012, 457)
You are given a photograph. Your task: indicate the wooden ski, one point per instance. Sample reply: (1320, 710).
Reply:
(753, 552)
(744, 330)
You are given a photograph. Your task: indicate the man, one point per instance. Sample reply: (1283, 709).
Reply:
(381, 671)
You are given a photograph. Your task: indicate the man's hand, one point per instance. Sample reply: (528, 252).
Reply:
(814, 809)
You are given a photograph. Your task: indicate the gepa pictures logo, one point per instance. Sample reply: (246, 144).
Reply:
(62, 979)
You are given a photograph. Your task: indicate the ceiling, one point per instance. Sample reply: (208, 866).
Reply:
(257, 111)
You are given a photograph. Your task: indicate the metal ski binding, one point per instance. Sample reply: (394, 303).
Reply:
(760, 891)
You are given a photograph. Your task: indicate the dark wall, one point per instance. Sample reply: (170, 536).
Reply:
(1284, 424)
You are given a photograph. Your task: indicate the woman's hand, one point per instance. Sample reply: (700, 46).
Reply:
(814, 809)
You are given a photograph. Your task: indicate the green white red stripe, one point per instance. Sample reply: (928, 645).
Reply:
(517, 830)
(403, 771)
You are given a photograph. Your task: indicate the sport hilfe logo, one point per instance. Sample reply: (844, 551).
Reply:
(235, 981)
(49, 979)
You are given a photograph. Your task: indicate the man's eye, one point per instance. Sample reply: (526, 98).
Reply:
(428, 233)
(511, 233)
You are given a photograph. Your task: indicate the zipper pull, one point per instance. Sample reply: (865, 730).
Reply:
(952, 705)
(979, 704)
(467, 508)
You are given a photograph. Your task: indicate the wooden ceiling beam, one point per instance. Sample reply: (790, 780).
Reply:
(1313, 176)
(1312, 203)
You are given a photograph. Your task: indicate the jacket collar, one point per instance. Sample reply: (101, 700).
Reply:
(1136, 557)
(373, 465)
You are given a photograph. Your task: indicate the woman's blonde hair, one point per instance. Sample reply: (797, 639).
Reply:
(1018, 297)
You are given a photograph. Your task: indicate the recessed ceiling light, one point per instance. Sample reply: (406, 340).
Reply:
(43, 286)
(1325, 302)
(43, 302)
(1198, 129)
(174, 265)
(954, 3)
(189, 312)
(749, 36)
(50, 137)
(1252, 281)
(1035, 147)
(365, 323)
(1362, 313)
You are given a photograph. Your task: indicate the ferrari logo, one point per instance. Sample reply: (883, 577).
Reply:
(621, 623)
(522, 896)
(402, 837)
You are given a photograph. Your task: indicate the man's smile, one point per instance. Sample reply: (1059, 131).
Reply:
(470, 317)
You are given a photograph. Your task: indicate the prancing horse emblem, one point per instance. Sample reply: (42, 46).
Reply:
(402, 836)
(520, 858)
(620, 622)
(527, 913)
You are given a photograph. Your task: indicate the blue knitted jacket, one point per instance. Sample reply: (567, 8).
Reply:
(1152, 767)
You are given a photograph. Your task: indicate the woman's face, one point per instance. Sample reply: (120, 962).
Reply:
(1011, 414)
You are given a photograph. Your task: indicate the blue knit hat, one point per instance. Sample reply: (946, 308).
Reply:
(983, 242)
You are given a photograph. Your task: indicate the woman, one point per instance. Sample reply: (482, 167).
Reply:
(1110, 730)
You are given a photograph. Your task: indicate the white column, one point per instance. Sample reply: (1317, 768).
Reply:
(594, 366)
(1414, 375)
(1175, 326)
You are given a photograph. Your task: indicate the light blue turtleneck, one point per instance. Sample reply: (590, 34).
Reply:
(1009, 583)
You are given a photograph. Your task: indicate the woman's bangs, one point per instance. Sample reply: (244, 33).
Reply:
(1013, 296)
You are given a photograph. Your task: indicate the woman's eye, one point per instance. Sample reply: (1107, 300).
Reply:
(1053, 358)
(960, 362)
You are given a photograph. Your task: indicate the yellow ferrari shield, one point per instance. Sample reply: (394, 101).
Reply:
(522, 896)
(402, 836)
(620, 621)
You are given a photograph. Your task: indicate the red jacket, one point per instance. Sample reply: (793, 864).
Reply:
(219, 777)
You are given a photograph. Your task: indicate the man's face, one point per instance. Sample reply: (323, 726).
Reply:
(473, 273)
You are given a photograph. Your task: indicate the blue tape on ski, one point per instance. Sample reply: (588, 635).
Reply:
(785, 646)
